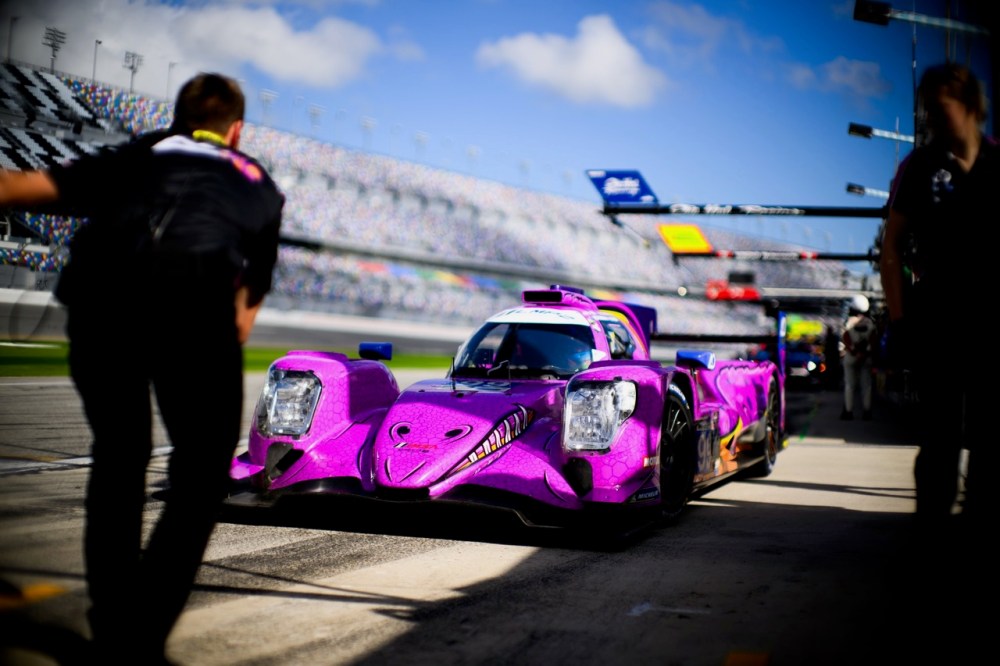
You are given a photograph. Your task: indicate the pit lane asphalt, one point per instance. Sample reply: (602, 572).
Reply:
(816, 564)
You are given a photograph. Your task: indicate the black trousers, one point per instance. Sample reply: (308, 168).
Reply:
(177, 336)
(954, 412)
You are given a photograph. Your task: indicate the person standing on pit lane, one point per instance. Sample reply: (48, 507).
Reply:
(162, 287)
(860, 340)
(942, 199)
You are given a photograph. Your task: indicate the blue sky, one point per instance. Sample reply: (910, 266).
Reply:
(714, 102)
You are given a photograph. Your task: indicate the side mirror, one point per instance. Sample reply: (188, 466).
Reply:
(375, 351)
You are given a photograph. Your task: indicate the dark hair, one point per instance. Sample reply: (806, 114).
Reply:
(958, 82)
(208, 101)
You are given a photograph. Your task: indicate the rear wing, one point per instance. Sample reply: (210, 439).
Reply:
(778, 338)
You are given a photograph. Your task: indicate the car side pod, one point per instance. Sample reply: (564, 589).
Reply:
(375, 351)
(693, 358)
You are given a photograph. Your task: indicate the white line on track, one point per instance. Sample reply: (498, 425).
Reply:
(646, 607)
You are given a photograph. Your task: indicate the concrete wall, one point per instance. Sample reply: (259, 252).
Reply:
(27, 314)
(19, 277)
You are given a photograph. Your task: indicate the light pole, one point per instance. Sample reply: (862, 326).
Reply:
(861, 190)
(93, 74)
(368, 125)
(297, 101)
(266, 97)
(420, 141)
(170, 70)
(132, 63)
(880, 13)
(54, 39)
(10, 35)
(867, 132)
(315, 111)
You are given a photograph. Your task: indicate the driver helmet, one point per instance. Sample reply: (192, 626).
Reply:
(617, 346)
(580, 359)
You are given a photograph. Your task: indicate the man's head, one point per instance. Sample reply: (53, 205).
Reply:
(949, 93)
(210, 102)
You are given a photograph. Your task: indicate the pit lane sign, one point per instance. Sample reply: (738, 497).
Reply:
(622, 187)
(626, 191)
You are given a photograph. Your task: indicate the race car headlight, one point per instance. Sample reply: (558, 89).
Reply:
(287, 402)
(594, 411)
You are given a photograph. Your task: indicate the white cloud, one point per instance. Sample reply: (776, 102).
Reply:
(861, 78)
(690, 35)
(598, 65)
(855, 77)
(402, 46)
(332, 52)
(216, 36)
(802, 76)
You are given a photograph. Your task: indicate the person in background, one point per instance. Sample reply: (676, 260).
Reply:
(161, 290)
(940, 212)
(831, 351)
(860, 338)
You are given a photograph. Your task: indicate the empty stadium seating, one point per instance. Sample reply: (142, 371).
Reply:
(401, 239)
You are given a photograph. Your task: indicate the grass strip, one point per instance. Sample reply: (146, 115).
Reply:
(48, 359)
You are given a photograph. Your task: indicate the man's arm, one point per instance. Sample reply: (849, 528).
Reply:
(891, 263)
(26, 188)
(245, 313)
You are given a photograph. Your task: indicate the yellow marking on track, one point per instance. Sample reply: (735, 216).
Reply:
(30, 594)
(45, 459)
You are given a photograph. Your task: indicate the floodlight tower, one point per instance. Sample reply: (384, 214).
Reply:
(368, 125)
(54, 39)
(170, 71)
(867, 132)
(854, 188)
(132, 62)
(420, 141)
(315, 112)
(93, 72)
(10, 35)
(266, 98)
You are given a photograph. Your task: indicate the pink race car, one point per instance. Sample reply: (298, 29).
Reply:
(552, 409)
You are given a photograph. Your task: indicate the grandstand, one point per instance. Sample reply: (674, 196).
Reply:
(379, 237)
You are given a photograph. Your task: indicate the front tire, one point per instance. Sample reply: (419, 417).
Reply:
(768, 447)
(677, 457)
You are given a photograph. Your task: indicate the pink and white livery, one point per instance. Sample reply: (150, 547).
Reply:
(552, 409)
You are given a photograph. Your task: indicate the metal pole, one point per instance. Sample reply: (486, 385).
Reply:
(10, 35)
(54, 39)
(741, 209)
(170, 70)
(93, 74)
(132, 62)
(266, 97)
(945, 23)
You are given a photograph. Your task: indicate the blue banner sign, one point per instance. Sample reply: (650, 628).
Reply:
(621, 187)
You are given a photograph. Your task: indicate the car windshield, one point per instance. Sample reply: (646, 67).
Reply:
(525, 351)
